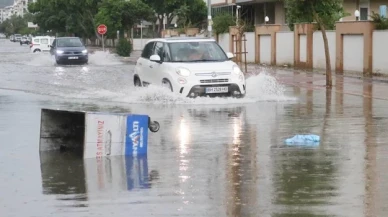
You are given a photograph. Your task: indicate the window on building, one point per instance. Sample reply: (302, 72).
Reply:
(363, 13)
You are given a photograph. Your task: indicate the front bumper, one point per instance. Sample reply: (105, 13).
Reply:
(234, 90)
(72, 58)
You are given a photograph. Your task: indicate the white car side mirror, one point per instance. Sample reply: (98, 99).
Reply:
(229, 55)
(155, 58)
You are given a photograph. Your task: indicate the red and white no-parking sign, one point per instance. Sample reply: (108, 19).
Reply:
(102, 29)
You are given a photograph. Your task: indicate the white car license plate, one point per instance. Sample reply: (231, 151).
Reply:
(217, 89)
(73, 58)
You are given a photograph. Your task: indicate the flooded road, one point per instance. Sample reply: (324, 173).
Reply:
(223, 157)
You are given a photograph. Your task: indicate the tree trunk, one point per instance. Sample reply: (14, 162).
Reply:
(329, 80)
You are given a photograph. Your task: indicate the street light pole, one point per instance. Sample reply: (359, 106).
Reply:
(141, 33)
(209, 18)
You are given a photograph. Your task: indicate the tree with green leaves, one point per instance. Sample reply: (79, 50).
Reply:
(192, 15)
(190, 11)
(324, 13)
(222, 22)
(122, 15)
(17, 25)
(66, 16)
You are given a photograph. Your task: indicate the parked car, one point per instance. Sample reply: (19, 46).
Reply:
(12, 38)
(69, 50)
(17, 37)
(41, 43)
(24, 40)
(190, 66)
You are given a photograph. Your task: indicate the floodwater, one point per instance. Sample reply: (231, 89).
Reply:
(211, 157)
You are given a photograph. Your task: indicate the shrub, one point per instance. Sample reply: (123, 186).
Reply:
(221, 23)
(379, 21)
(124, 48)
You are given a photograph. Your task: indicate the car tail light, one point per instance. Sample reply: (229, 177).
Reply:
(31, 45)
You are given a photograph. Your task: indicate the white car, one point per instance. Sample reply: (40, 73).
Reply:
(190, 66)
(41, 43)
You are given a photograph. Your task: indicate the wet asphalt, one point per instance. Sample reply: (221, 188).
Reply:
(211, 157)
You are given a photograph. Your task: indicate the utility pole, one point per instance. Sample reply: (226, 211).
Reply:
(209, 18)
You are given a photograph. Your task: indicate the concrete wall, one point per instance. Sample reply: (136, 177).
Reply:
(250, 37)
(353, 53)
(285, 48)
(319, 59)
(223, 41)
(380, 50)
(354, 46)
(353, 49)
(265, 49)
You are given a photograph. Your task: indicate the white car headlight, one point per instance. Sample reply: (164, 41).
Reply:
(59, 51)
(237, 70)
(183, 72)
(85, 51)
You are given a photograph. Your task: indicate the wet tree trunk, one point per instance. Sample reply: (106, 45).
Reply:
(327, 55)
(329, 79)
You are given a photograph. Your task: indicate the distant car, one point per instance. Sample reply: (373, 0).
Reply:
(69, 50)
(190, 66)
(41, 43)
(24, 40)
(17, 37)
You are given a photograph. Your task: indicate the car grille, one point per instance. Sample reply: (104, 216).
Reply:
(207, 81)
(211, 73)
(71, 52)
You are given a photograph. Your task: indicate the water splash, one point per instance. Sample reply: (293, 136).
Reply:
(40, 59)
(261, 87)
(103, 58)
(97, 58)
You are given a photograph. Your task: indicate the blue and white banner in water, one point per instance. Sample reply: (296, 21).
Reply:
(113, 135)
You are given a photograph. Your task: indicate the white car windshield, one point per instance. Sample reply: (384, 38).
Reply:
(196, 52)
(69, 42)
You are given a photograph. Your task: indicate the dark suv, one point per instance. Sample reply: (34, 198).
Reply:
(69, 50)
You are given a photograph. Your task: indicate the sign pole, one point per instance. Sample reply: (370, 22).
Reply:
(103, 49)
(102, 29)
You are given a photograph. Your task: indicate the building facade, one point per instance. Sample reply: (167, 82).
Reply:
(254, 11)
(19, 8)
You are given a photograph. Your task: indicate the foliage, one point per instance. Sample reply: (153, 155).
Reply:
(124, 48)
(17, 25)
(168, 7)
(379, 21)
(325, 12)
(192, 15)
(68, 16)
(189, 10)
(222, 21)
(122, 15)
(81, 18)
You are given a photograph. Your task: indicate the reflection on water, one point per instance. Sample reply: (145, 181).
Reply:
(371, 201)
(68, 174)
(211, 160)
(62, 173)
